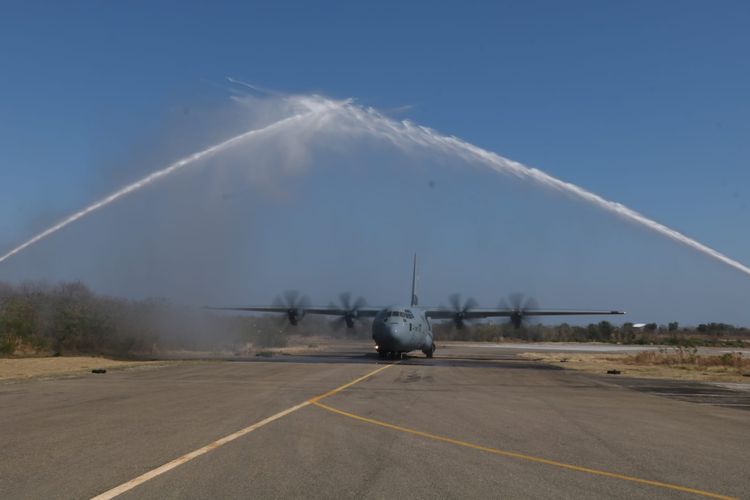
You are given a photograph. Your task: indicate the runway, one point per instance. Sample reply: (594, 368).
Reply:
(469, 423)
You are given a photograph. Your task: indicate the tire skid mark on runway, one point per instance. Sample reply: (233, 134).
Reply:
(129, 485)
(520, 456)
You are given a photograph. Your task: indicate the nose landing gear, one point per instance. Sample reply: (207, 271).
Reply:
(428, 353)
(392, 355)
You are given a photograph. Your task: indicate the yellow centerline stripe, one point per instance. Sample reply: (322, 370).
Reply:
(355, 381)
(520, 456)
(129, 485)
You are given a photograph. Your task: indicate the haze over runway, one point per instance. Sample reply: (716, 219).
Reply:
(469, 423)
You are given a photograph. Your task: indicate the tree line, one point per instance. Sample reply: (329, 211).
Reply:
(717, 334)
(68, 318)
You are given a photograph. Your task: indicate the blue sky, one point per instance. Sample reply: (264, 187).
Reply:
(645, 103)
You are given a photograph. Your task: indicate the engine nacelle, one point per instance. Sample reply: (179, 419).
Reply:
(349, 319)
(294, 315)
(458, 320)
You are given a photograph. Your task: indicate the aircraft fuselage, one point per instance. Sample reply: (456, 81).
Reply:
(398, 330)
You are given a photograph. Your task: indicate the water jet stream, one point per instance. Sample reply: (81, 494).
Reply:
(157, 175)
(404, 133)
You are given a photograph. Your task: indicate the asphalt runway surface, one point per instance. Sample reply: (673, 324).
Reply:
(471, 423)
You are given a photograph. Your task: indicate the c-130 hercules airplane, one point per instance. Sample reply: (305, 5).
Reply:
(398, 330)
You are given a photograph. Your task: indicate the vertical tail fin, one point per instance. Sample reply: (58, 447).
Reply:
(414, 299)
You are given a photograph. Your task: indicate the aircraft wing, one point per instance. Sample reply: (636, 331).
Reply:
(441, 313)
(363, 312)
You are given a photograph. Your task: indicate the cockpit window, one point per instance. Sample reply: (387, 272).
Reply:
(399, 314)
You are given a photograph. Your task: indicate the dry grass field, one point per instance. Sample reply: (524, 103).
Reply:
(25, 368)
(668, 363)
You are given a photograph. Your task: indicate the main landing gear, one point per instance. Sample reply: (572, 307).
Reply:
(430, 352)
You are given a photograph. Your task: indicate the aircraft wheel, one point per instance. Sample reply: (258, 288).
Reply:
(429, 353)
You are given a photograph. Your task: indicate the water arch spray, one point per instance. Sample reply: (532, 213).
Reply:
(315, 113)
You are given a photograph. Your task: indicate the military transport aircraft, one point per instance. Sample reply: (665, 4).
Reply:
(398, 330)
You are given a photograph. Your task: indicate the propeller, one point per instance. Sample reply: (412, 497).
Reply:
(351, 308)
(294, 303)
(520, 305)
(460, 310)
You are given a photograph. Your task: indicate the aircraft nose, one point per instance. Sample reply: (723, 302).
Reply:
(387, 335)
